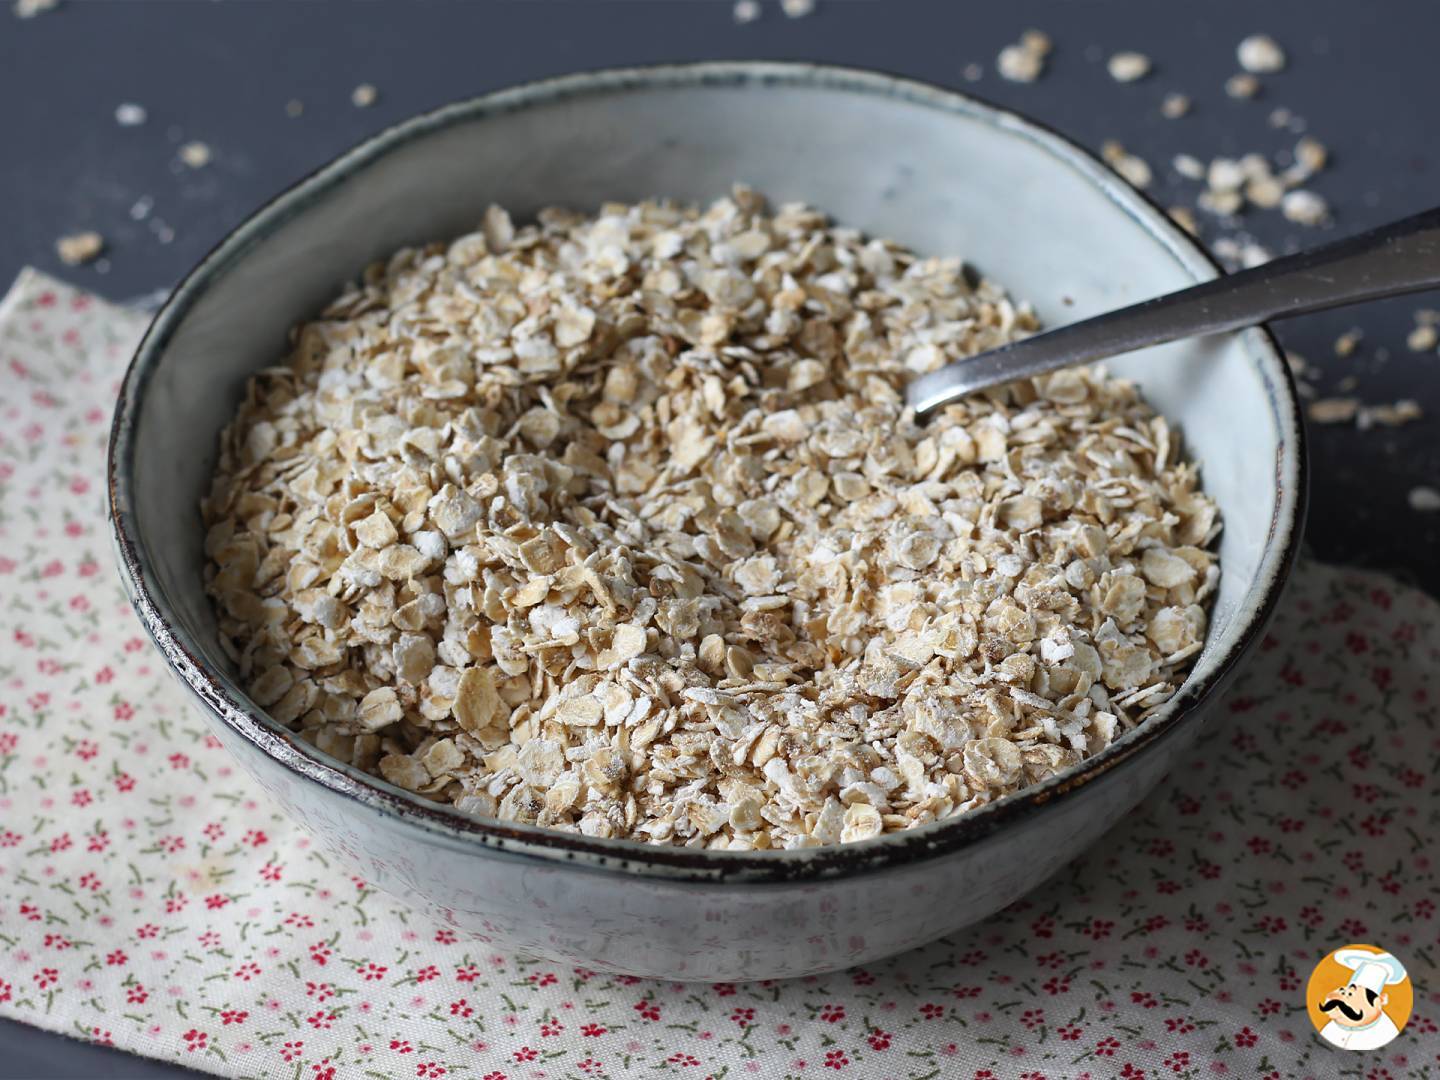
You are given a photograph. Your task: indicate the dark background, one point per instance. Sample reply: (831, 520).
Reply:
(1363, 76)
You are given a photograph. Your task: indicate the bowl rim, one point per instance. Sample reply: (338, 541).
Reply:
(453, 828)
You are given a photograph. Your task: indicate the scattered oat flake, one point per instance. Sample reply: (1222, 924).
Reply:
(1174, 106)
(1401, 412)
(1423, 338)
(797, 9)
(79, 248)
(1024, 62)
(1260, 54)
(195, 154)
(130, 115)
(1424, 500)
(1243, 86)
(294, 107)
(1185, 218)
(28, 9)
(1128, 66)
(746, 11)
(1347, 342)
(363, 96)
(972, 72)
(1134, 169)
(1333, 410)
(1188, 166)
(1304, 208)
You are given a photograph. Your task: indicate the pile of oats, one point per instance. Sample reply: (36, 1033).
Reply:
(619, 524)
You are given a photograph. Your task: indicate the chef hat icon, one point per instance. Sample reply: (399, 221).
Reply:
(1372, 971)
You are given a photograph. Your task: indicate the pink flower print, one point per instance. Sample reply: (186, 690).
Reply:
(322, 1019)
(371, 971)
(195, 1040)
(832, 1014)
(429, 1069)
(683, 1060)
(462, 1008)
(592, 1031)
(526, 1054)
(291, 1050)
(425, 974)
(233, 1016)
(648, 1010)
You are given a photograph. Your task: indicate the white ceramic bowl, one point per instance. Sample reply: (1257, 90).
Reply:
(927, 167)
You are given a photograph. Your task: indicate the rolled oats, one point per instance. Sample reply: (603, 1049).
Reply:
(619, 525)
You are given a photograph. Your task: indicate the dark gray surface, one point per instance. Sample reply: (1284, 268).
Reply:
(1363, 76)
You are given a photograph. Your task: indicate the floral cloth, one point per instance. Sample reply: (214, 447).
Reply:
(152, 899)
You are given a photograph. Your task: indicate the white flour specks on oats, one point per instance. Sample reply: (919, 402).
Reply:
(619, 524)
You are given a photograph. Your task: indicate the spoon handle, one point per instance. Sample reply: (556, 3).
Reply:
(1398, 258)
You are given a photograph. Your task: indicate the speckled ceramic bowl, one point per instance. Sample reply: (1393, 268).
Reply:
(927, 167)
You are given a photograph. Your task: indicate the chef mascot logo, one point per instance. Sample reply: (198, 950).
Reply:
(1359, 997)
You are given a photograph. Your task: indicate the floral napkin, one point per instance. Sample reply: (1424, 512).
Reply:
(153, 899)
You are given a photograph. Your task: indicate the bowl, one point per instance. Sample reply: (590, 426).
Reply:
(933, 169)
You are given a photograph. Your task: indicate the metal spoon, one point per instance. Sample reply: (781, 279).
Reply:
(1399, 258)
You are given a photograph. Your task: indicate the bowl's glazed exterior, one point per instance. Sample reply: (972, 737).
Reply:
(931, 169)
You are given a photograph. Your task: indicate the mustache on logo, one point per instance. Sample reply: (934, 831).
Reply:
(1346, 1010)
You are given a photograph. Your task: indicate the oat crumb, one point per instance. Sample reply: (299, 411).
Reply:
(1243, 86)
(1339, 410)
(1132, 167)
(28, 9)
(294, 108)
(363, 96)
(1423, 338)
(1304, 208)
(1346, 344)
(1189, 166)
(130, 115)
(195, 154)
(1128, 66)
(745, 11)
(797, 9)
(79, 248)
(1024, 62)
(1260, 55)
(1424, 500)
(1401, 412)
(1174, 106)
